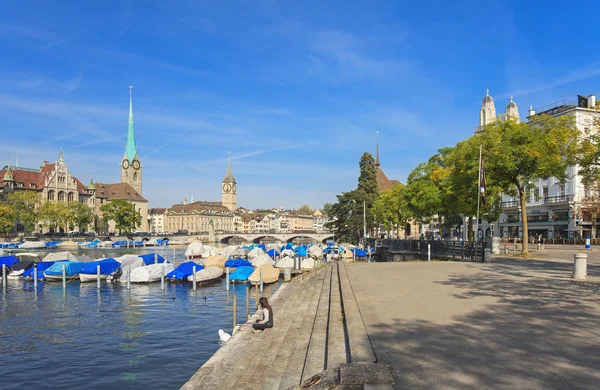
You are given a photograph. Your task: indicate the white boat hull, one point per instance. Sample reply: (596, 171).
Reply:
(53, 278)
(91, 277)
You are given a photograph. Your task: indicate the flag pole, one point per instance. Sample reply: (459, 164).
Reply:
(478, 196)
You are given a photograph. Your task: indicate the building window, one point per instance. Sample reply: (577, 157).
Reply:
(50, 195)
(135, 177)
(544, 192)
(561, 190)
(70, 197)
(61, 196)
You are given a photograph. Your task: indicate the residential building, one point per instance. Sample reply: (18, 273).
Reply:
(156, 217)
(199, 217)
(319, 221)
(300, 222)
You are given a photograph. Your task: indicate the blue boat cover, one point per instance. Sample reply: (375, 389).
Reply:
(287, 246)
(241, 274)
(107, 267)
(359, 252)
(235, 263)
(41, 267)
(149, 258)
(301, 250)
(8, 261)
(273, 252)
(72, 268)
(184, 270)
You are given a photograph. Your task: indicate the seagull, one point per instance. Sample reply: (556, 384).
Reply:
(224, 337)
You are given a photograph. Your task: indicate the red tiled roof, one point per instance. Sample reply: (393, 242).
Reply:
(383, 183)
(118, 191)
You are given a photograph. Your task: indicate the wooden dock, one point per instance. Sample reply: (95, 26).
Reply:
(318, 326)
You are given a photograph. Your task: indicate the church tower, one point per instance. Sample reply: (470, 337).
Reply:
(487, 113)
(131, 168)
(512, 111)
(229, 189)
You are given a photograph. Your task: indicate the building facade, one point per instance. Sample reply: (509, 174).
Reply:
(131, 167)
(156, 220)
(319, 221)
(229, 189)
(199, 217)
(554, 207)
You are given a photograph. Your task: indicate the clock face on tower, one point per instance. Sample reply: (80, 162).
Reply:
(136, 164)
(234, 188)
(125, 164)
(226, 187)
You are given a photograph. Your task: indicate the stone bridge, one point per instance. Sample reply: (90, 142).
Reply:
(282, 237)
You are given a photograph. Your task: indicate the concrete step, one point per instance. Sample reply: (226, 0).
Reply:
(336, 341)
(288, 371)
(315, 358)
(272, 340)
(360, 345)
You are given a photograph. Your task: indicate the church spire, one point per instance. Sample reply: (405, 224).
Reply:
(8, 176)
(377, 164)
(229, 175)
(130, 147)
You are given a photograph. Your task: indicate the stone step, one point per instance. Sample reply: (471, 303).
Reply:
(315, 358)
(271, 339)
(221, 374)
(336, 339)
(288, 371)
(360, 345)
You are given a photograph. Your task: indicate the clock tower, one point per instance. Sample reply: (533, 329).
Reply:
(229, 189)
(131, 168)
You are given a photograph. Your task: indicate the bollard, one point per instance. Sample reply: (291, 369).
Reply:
(156, 258)
(261, 282)
(428, 252)
(127, 244)
(128, 278)
(580, 266)
(247, 303)
(506, 249)
(515, 248)
(256, 293)
(234, 312)
(162, 277)
(64, 275)
(173, 253)
(194, 278)
(3, 278)
(487, 255)
(226, 278)
(287, 275)
(98, 276)
(35, 276)
(539, 246)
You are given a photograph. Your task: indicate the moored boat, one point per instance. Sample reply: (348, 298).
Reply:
(18, 269)
(55, 272)
(183, 270)
(241, 274)
(108, 267)
(150, 273)
(207, 275)
(270, 274)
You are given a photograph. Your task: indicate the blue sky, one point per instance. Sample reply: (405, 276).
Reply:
(294, 90)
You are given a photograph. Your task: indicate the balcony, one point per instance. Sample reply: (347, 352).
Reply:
(552, 200)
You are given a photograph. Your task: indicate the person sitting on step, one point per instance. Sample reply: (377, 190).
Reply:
(267, 321)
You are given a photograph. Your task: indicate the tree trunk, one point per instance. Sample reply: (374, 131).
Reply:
(524, 227)
(470, 232)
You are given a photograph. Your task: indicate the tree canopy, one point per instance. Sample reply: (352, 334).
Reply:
(123, 214)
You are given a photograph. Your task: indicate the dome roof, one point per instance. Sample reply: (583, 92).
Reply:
(511, 104)
(487, 99)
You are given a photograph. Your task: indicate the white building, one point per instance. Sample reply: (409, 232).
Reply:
(552, 206)
(156, 219)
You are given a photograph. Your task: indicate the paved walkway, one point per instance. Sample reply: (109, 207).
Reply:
(308, 337)
(510, 324)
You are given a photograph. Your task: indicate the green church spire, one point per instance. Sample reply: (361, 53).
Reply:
(131, 147)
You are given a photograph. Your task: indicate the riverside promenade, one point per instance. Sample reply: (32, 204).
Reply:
(514, 323)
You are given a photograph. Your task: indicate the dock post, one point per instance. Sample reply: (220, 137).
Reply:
(173, 254)
(156, 258)
(3, 278)
(64, 275)
(35, 276)
(227, 278)
(247, 303)
(129, 278)
(98, 276)
(127, 243)
(194, 278)
(234, 312)
(428, 252)
(162, 277)
(261, 282)
(256, 291)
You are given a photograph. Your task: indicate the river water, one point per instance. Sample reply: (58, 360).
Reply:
(113, 338)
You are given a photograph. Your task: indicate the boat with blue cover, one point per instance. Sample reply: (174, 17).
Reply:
(183, 270)
(236, 263)
(152, 258)
(108, 267)
(39, 268)
(8, 261)
(72, 270)
(241, 274)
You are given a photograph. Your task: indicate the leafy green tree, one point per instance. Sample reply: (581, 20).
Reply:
(123, 214)
(305, 210)
(424, 196)
(391, 208)
(588, 155)
(24, 205)
(7, 218)
(52, 215)
(516, 154)
(80, 215)
(347, 215)
(327, 208)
